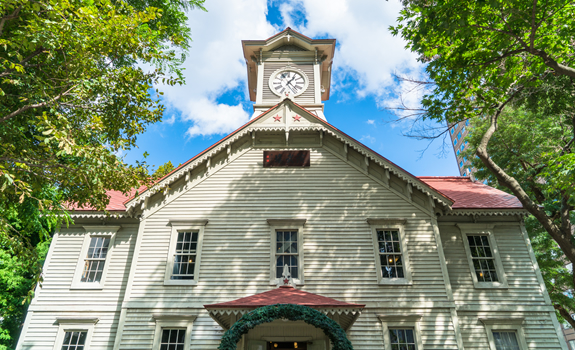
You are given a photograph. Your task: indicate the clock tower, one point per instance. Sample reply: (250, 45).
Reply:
(289, 65)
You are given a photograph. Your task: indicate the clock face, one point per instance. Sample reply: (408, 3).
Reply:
(288, 82)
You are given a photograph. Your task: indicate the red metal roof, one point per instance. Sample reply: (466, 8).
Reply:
(471, 195)
(283, 295)
(116, 202)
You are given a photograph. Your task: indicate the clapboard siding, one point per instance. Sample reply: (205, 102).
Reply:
(59, 271)
(338, 244)
(42, 330)
(523, 285)
(538, 328)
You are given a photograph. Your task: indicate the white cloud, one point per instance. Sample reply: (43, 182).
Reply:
(171, 120)
(215, 64)
(371, 122)
(367, 50)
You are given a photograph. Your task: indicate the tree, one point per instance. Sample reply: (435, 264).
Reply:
(482, 57)
(523, 161)
(73, 97)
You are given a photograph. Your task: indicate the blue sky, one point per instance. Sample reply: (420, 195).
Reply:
(214, 100)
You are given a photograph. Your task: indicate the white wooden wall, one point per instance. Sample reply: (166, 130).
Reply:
(55, 298)
(336, 195)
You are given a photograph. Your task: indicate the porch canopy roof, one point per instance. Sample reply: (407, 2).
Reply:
(227, 313)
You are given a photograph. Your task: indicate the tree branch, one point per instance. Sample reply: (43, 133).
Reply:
(563, 238)
(565, 314)
(6, 18)
(37, 105)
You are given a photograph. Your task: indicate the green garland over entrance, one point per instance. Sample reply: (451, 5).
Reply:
(290, 312)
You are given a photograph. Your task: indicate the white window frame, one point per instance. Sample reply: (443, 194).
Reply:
(391, 224)
(184, 226)
(76, 324)
(401, 321)
(173, 322)
(103, 231)
(483, 230)
(502, 325)
(286, 224)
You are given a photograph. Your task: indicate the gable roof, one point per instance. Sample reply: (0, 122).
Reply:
(284, 295)
(468, 194)
(319, 125)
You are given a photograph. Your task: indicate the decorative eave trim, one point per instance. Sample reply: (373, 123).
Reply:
(386, 221)
(77, 320)
(400, 318)
(487, 212)
(502, 321)
(102, 229)
(326, 310)
(376, 158)
(99, 215)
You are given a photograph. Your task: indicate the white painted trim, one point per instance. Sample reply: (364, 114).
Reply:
(181, 226)
(120, 328)
(559, 330)
(317, 82)
(287, 224)
(24, 331)
(404, 322)
(260, 82)
(91, 232)
(502, 324)
(442, 259)
(391, 224)
(457, 329)
(535, 265)
(184, 322)
(487, 230)
(72, 325)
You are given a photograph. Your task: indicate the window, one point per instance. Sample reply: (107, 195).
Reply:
(462, 147)
(461, 164)
(93, 258)
(173, 339)
(505, 333)
(402, 339)
(401, 332)
(467, 122)
(392, 261)
(506, 340)
(74, 340)
(459, 135)
(183, 262)
(464, 174)
(483, 256)
(74, 333)
(173, 331)
(458, 153)
(455, 142)
(465, 159)
(287, 252)
(463, 129)
(452, 131)
(286, 249)
(390, 254)
(185, 255)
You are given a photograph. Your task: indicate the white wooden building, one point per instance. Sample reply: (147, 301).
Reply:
(399, 262)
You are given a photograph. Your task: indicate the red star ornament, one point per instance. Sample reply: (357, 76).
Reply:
(277, 118)
(296, 118)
